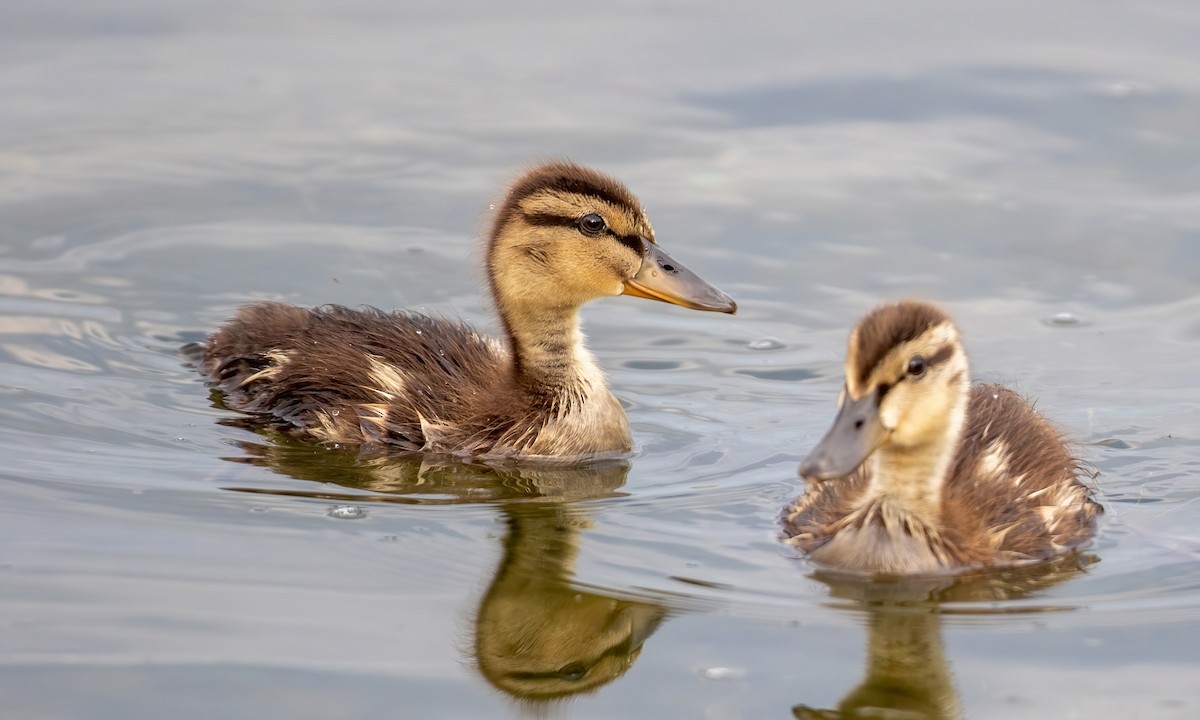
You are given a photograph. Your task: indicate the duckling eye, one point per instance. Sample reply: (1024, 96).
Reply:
(916, 366)
(592, 224)
(574, 671)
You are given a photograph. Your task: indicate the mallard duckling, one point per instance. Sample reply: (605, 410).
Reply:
(563, 235)
(921, 473)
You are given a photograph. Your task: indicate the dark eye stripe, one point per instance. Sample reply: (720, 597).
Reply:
(943, 354)
(633, 242)
(882, 391)
(550, 220)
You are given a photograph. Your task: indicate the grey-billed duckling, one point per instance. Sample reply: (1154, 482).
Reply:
(564, 235)
(922, 473)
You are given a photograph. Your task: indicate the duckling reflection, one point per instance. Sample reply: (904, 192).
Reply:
(908, 674)
(537, 637)
(423, 479)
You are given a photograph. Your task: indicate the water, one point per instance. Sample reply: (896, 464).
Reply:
(162, 163)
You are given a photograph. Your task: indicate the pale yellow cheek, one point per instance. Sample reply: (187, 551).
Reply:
(591, 286)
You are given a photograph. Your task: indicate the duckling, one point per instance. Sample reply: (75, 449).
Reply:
(923, 474)
(564, 235)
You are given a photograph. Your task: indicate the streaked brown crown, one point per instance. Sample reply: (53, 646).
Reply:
(886, 327)
(566, 178)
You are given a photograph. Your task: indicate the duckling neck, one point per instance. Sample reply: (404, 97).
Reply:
(548, 350)
(542, 543)
(912, 478)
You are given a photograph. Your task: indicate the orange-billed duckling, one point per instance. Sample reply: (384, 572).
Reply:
(564, 235)
(922, 473)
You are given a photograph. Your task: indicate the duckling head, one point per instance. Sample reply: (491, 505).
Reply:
(906, 391)
(566, 234)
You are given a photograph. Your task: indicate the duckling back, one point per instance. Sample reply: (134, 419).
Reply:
(352, 376)
(403, 380)
(1014, 493)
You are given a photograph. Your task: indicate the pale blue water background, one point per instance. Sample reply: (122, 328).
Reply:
(163, 162)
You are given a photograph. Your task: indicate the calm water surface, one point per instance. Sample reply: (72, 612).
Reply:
(161, 163)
